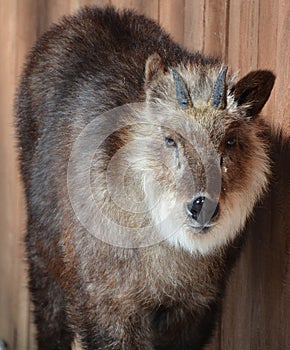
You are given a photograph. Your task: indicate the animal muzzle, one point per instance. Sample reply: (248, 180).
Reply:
(202, 211)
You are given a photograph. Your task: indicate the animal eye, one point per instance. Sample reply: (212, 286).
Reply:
(231, 141)
(170, 142)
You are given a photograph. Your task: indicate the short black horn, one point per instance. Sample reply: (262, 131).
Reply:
(182, 94)
(219, 96)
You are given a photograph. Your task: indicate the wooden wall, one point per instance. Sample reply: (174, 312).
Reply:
(247, 34)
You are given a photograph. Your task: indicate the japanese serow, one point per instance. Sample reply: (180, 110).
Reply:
(141, 163)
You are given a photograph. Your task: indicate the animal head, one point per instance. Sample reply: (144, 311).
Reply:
(185, 168)
(201, 151)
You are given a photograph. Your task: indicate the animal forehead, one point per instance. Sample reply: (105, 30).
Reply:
(207, 117)
(204, 123)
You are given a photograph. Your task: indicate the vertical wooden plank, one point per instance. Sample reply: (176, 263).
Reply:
(171, 18)
(148, 8)
(274, 54)
(25, 36)
(268, 20)
(100, 3)
(194, 12)
(194, 24)
(269, 16)
(215, 31)
(8, 200)
(14, 305)
(234, 26)
(243, 35)
(282, 93)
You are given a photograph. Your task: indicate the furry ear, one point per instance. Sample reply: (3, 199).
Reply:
(154, 68)
(252, 91)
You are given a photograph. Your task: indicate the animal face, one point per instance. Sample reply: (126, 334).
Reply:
(203, 167)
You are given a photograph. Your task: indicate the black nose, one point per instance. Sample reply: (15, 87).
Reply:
(203, 209)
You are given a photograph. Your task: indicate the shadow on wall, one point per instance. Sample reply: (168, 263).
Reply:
(260, 281)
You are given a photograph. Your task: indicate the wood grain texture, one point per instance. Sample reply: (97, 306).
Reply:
(100, 3)
(148, 8)
(247, 34)
(14, 307)
(215, 28)
(171, 18)
(243, 35)
(52, 10)
(257, 301)
(194, 24)
(282, 86)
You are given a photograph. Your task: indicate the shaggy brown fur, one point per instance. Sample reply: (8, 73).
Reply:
(164, 296)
